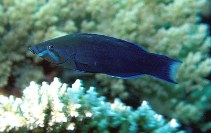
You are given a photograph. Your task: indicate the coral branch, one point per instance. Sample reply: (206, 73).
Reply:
(57, 108)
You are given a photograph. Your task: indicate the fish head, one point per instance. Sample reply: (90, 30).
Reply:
(52, 51)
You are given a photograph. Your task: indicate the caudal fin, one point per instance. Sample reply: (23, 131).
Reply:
(164, 68)
(173, 70)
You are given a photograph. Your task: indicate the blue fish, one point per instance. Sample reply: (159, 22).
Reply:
(93, 53)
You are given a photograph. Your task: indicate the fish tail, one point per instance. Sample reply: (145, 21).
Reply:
(164, 68)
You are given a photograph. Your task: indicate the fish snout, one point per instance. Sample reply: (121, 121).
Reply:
(33, 49)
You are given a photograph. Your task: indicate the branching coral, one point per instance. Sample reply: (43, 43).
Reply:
(58, 108)
(168, 27)
(24, 23)
(172, 28)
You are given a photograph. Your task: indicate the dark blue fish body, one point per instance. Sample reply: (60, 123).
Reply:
(94, 53)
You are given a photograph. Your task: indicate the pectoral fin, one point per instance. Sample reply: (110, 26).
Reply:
(84, 67)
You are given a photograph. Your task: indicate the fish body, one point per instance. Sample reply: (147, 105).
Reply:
(93, 53)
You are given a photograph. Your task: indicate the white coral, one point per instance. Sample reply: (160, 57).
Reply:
(53, 106)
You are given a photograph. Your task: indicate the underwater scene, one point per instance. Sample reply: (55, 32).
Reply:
(105, 66)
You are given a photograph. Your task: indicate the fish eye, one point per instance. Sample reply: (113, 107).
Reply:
(50, 47)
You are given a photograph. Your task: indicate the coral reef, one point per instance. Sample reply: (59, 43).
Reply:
(58, 108)
(24, 23)
(170, 27)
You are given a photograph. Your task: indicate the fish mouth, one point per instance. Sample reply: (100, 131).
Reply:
(34, 50)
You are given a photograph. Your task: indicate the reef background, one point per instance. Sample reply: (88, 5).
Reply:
(171, 27)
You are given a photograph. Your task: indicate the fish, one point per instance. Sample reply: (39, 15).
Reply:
(95, 53)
